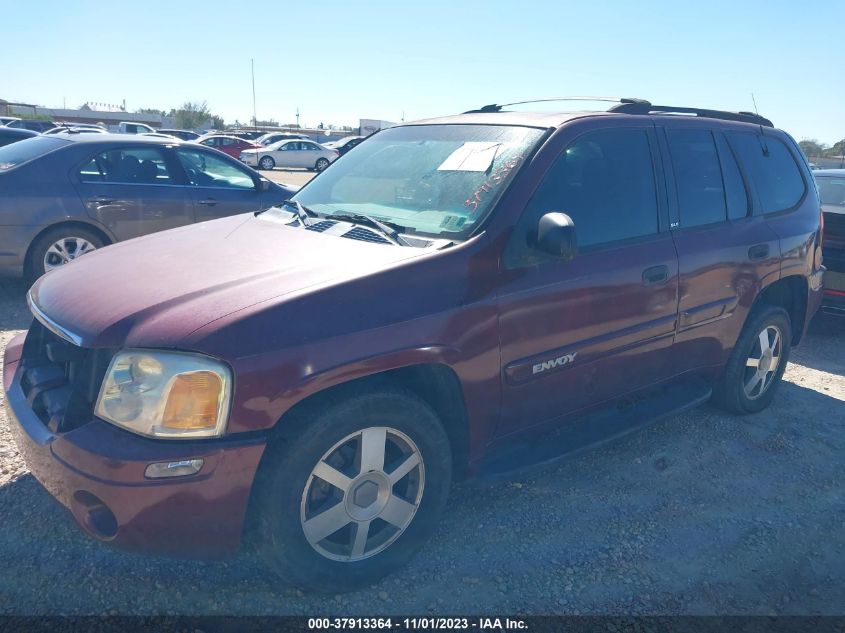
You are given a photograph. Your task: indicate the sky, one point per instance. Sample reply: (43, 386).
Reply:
(341, 61)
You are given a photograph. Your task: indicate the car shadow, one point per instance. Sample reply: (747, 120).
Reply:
(823, 348)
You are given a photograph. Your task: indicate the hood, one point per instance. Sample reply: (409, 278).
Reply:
(155, 290)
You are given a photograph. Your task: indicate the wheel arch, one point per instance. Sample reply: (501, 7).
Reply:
(790, 293)
(89, 226)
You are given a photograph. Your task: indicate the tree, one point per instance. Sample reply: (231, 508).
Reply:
(837, 150)
(191, 115)
(811, 147)
(217, 122)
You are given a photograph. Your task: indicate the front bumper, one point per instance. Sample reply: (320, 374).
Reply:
(96, 471)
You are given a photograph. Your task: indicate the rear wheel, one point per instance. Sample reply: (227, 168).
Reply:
(354, 492)
(267, 163)
(321, 164)
(757, 362)
(58, 247)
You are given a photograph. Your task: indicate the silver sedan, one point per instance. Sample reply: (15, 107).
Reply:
(290, 153)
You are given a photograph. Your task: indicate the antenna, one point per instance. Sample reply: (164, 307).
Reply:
(763, 145)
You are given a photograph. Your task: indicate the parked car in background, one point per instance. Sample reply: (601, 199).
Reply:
(65, 195)
(185, 135)
(63, 126)
(249, 135)
(290, 154)
(231, 145)
(36, 125)
(275, 137)
(11, 135)
(76, 130)
(456, 296)
(5, 120)
(168, 137)
(125, 127)
(345, 144)
(831, 185)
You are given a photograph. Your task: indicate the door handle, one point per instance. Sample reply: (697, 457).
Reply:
(101, 200)
(209, 202)
(655, 275)
(758, 251)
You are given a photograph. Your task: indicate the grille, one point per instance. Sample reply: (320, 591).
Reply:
(365, 235)
(60, 380)
(321, 226)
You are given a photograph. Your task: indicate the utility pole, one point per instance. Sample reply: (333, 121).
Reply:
(297, 116)
(254, 116)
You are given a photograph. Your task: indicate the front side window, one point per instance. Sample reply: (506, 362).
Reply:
(207, 170)
(434, 180)
(605, 182)
(127, 165)
(701, 196)
(773, 170)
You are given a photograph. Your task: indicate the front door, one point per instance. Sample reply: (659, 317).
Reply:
(218, 185)
(574, 334)
(133, 190)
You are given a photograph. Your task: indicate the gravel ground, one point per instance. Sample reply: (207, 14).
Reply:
(700, 514)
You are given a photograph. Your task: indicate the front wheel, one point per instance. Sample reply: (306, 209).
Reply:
(322, 163)
(267, 163)
(757, 362)
(355, 490)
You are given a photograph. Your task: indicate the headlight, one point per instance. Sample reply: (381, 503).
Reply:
(166, 394)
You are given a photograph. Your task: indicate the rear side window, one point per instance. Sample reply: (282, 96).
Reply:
(701, 196)
(604, 181)
(772, 169)
(130, 165)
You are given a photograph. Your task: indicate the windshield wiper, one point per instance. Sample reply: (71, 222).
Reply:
(388, 229)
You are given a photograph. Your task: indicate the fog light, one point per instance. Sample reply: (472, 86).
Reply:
(173, 469)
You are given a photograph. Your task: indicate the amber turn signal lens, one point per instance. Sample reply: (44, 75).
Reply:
(193, 401)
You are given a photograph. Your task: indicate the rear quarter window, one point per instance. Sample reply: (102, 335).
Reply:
(772, 168)
(24, 151)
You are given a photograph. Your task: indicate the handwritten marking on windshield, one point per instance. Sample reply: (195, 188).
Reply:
(472, 203)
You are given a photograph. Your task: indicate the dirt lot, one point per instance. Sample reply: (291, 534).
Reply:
(702, 513)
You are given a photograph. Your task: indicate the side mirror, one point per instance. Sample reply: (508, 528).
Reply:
(556, 236)
(264, 184)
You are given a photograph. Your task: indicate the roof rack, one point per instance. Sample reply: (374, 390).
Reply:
(644, 107)
(630, 105)
(497, 107)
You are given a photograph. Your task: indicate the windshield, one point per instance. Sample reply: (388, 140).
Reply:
(23, 151)
(436, 180)
(832, 190)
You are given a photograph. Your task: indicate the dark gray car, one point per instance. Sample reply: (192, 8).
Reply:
(66, 195)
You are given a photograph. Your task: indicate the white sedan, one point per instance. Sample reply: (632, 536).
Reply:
(290, 153)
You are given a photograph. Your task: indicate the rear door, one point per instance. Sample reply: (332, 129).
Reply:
(726, 252)
(134, 190)
(310, 153)
(219, 186)
(574, 334)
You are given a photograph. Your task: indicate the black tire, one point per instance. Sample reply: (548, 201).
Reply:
(267, 163)
(321, 164)
(286, 470)
(34, 266)
(731, 394)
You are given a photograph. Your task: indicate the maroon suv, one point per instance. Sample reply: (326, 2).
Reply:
(454, 296)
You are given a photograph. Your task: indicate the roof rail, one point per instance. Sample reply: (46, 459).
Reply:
(497, 107)
(648, 108)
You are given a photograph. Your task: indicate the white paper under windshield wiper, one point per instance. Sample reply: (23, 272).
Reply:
(389, 229)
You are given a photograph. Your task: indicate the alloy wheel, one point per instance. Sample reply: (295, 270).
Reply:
(65, 251)
(362, 494)
(763, 362)
(322, 164)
